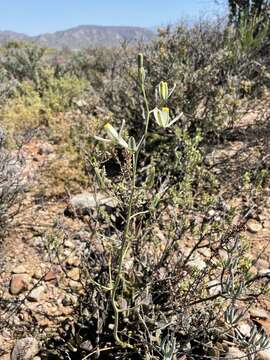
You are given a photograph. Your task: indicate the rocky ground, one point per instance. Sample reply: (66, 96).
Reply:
(40, 281)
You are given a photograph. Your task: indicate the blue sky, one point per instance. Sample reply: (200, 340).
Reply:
(37, 16)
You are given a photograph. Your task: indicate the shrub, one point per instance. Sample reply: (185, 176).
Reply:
(60, 94)
(10, 186)
(24, 62)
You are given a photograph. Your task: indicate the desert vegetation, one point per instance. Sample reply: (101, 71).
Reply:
(134, 195)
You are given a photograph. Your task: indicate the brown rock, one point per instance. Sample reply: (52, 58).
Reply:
(74, 274)
(19, 283)
(50, 275)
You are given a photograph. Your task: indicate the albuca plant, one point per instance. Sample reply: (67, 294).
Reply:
(151, 294)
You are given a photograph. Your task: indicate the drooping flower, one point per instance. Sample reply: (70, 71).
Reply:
(116, 138)
(162, 117)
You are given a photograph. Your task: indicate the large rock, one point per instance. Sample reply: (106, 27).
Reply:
(84, 203)
(25, 349)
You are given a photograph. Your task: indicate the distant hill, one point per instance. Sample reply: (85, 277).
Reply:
(6, 36)
(83, 36)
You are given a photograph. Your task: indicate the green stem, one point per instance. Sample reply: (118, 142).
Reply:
(125, 242)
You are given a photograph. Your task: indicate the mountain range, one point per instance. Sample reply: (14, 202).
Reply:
(83, 36)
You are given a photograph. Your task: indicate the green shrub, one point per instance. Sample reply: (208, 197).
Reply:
(59, 94)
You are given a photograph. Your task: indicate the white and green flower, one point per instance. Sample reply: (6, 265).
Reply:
(116, 138)
(162, 117)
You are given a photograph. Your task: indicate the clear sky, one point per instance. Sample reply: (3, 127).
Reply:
(38, 16)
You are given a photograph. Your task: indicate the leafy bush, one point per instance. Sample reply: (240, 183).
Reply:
(24, 62)
(59, 94)
(21, 112)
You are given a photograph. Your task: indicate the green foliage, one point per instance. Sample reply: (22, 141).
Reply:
(24, 62)
(247, 8)
(59, 94)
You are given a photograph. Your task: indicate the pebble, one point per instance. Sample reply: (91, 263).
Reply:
(19, 283)
(214, 287)
(261, 264)
(245, 329)
(264, 272)
(73, 261)
(197, 263)
(69, 300)
(52, 274)
(69, 244)
(36, 294)
(74, 274)
(75, 285)
(45, 149)
(253, 226)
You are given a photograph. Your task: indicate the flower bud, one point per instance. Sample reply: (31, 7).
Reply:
(163, 91)
(132, 144)
(140, 60)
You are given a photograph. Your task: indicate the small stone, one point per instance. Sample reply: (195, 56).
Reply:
(74, 274)
(254, 226)
(264, 272)
(234, 353)
(69, 300)
(73, 261)
(50, 275)
(245, 329)
(261, 264)
(36, 294)
(45, 149)
(259, 313)
(69, 244)
(19, 283)
(214, 287)
(86, 345)
(85, 202)
(75, 285)
(37, 274)
(20, 269)
(25, 349)
(197, 263)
